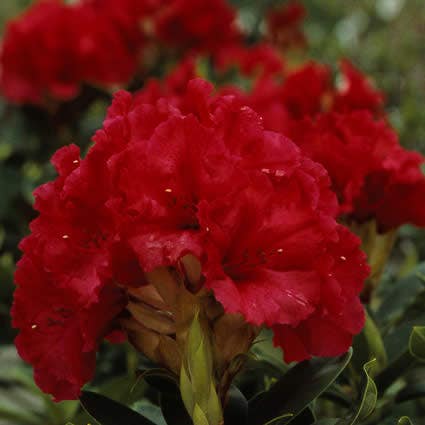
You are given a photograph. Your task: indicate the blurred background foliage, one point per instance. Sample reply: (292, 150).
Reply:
(384, 38)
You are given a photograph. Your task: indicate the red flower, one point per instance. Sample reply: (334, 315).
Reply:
(329, 330)
(304, 90)
(284, 25)
(371, 173)
(356, 91)
(259, 60)
(51, 50)
(339, 127)
(166, 178)
(197, 24)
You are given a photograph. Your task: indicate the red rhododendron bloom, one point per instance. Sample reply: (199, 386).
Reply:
(339, 127)
(356, 91)
(371, 173)
(165, 179)
(53, 48)
(284, 25)
(257, 60)
(197, 24)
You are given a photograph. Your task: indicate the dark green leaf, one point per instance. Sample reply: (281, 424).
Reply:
(306, 417)
(414, 351)
(417, 343)
(402, 296)
(296, 389)
(397, 340)
(411, 392)
(174, 410)
(161, 379)
(369, 345)
(393, 371)
(109, 412)
(404, 421)
(263, 350)
(338, 396)
(327, 421)
(150, 411)
(236, 410)
(368, 400)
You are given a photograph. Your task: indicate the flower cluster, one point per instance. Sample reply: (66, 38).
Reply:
(284, 25)
(343, 127)
(54, 48)
(170, 177)
(195, 24)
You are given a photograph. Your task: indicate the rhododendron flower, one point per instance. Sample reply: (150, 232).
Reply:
(371, 173)
(260, 60)
(53, 48)
(284, 25)
(196, 24)
(343, 127)
(356, 91)
(194, 191)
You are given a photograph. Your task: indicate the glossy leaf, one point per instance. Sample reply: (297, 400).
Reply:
(109, 412)
(236, 409)
(415, 351)
(369, 345)
(404, 420)
(368, 400)
(161, 379)
(401, 296)
(417, 343)
(306, 417)
(263, 350)
(150, 411)
(296, 389)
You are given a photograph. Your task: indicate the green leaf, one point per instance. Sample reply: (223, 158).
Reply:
(414, 352)
(411, 392)
(186, 390)
(393, 371)
(368, 400)
(109, 412)
(369, 345)
(276, 421)
(150, 411)
(236, 409)
(174, 410)
(263, 350)
(417, 343)
(296, 389)
(19, 416)
(306, 417)
(327, 421)
(199, 417)
(397, 300)
(337, 395)
(161, 379)
(404, 420)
